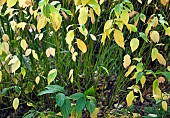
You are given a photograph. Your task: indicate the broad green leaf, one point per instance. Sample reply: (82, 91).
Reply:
(66, 108)
(164, 105)
(140, 67)
(23, 72)
(134, 43)
(90, 105)
(119, 39)
(70, 36)
(2, 2)
(84, 2)
(11, 3)
(83, 16)
(37, 79)
(139, 76)
(90, 92)
(74, 113)
(15, 103)
(154, 54)
(108, 25)
(51, 75)
(143, 80)
(80, 104)
(126, 61)
(34, 54)
(117, 9)
(95, 6)
(142, 17)
(94, 113)
(130, 69)
(143, 35)
(81, 45)
(161, 59)
(124, 17)
(76, 96)
(41, 23)
(129, 98)
(60, 98)
(0, 76)
(24, 44)
(154, 35)
(131, 28)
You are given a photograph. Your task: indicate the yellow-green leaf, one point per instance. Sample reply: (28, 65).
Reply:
(143, 80)
(41, 23)
(56, 20)
(27, 52)
(83, 16)
(149, 1)
(15, 103)
(34, 54)
(37, 79)
(154, 54)
(161, 59)
(94, 113)
(24, 44)
(134, 43)
(84, 2)
(83, 31)
(51, 75)
(168, 68)
(81, 45)
(11, 3)
(2, 2)
(130, 69)
(0, 76)
(167, 31)
(119, 39)
(164, 105)
(71, 75)
(74, 55)
(124, 17)
(108, 25)
(70, 36)
(127, 61)
(154, 35)
(103, 38)
(156, 90)
(91, 15)
(129, 98)
(96, 7)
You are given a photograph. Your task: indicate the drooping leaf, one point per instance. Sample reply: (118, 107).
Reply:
(34, 54)
(2, 2)
(119, 39)
(129, 98)
(140, 67)
(76, 96)
(149, 1)
(94, 113)
(41, 23)
(127, 61)
(95, 6)
(156, 90)
(81, 45)
(83, 16)
(51, 75)
(154, 35)
(130, 69)
(143, 80)
(66, 108)
(50, 51)
(139, 76)
(83, 31)
(70, 36)
(80, 104)
(161, 59)
(134, 43)
(74, 55)
(108, 25)
(74, 113)
(142, 17)
(15, 103)
(37, 79)
(84, 2)
(11, 3)
(124, 17)
(90, 105)
(164, 105)
(164, 2)
(27, 52)
(93, 37)
(60, 98)
(5, 37)
(71, 75)
(23, 72)
(154, 54)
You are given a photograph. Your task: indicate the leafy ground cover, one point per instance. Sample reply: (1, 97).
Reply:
(84, 58)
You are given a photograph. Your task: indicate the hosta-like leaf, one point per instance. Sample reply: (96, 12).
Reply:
(127, 61)
(124, 17)
(15, 103)
(108, 25)
(129, 98)
(70, 36)
(83, 16)
(134, 43)
(66, 108)
(80, 104)
(119, 39)
(81, 45)
(161, 59)
(51, 75)
(60, 98)
(164, 105)
(41, 23)
(154, 35)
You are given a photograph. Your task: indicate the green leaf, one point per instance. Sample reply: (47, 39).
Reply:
(52, 89)
(15, 103)
(139, 67)
(76, 96)
(138, 77)
(90, 105)
(142, 17)
(51, 75)
(0, 76)
(60, 98)
(80, 104)
(66, 108)
(154, 54)
(23, 72)
(67, 11)
(117, 9)
(91, 91)
(95, 6)
(143, 35)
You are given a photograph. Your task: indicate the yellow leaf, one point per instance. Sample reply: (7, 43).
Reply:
(108, 25)
(119, 39)
(147, 30)
(21, 25)
(37, 79)
(5, 37)
(34, 54)
(154, 54)
(164, 105)
(168, 68)
(27, 52)
(93, 37)
(167, 31)
(156, 90)
(70, 36)
(84, 2)
(91, 15)
(129, 98)
(41, 23)
(56, 20)
(101, 1)
(74, 56)
(71, 48)
(50, 51)
(83, 16)
(134, 76)
(127, 61)
(81, 45)
(143, 80)
(11, 3)
(96, 7)
(154, 35)
(15, 66)
(134, 43)
(5, 47)
(15, 103)
(124, 17)
(2, 2)
(161, 59)
(94, 113)
(103, 38)
(0, 76)
(24, 44)
(71, 75)
(140, 1)
(40, 36)
(149, 1)
(13, 25)
(83, 31)
(130, 69)
(164, 2)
